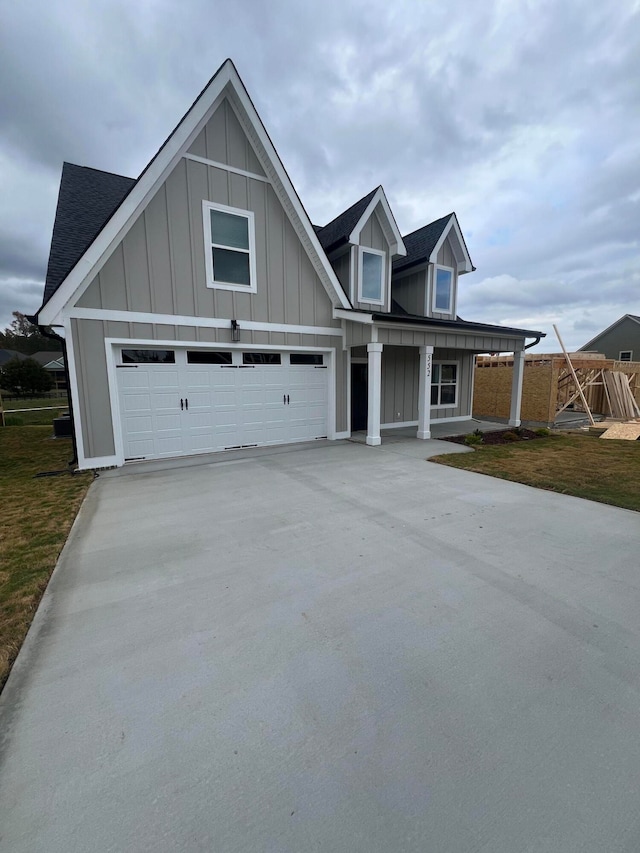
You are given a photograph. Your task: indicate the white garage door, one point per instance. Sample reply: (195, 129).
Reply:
(179, 401)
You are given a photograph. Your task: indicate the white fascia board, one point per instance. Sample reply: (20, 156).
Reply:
(225, 82)
(353, 316)
(120, 223)
(452, 225)
(396, 245)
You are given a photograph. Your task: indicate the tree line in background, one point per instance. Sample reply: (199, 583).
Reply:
(23, 337)
(25, 377)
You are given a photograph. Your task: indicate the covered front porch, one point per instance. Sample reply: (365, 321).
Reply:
(417, 379)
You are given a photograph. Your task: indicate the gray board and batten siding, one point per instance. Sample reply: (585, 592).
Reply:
(623, 337)
(414, 291)
(159, 268)
(372, 237)
(400, 374)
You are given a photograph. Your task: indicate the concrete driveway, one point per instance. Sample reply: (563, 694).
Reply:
(336, 648)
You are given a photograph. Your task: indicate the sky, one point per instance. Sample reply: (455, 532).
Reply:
(523, 116)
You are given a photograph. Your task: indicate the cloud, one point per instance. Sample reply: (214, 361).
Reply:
(524, 118)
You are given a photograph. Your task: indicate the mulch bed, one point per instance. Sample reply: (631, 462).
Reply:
(497, 437)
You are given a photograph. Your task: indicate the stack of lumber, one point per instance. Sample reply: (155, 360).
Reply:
(621, 400)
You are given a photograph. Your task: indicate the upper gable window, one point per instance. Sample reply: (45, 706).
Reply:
(371, 278)
(625, 355)
(443, 290)
(230, 247)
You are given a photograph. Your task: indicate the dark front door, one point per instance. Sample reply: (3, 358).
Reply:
(358, 397)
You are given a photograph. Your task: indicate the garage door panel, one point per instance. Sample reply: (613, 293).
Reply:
(227, 407)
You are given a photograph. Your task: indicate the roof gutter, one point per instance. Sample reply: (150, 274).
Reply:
(46, 332)
(533, 343)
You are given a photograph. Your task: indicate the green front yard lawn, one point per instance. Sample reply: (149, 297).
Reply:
(26, 418)
(580, 465)
(36, 517)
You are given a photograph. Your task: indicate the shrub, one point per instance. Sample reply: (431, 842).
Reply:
(542, 432)
(24, 376)
(473, 439)
(13, 420)
(478, 432)
(510, 435)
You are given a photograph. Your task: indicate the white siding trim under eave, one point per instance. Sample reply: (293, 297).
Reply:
(106, 314)
(225, 83)
(110, 352)
(464, 265)
(396, 243)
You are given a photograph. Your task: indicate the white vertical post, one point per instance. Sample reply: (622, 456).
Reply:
(424, 392)
(374, 389)
(516, 388)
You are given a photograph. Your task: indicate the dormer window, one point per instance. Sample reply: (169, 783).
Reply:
(443, 289)
(371, 277)
(230, 247)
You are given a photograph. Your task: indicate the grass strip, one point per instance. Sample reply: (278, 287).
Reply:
(37, 515)
(579, 465)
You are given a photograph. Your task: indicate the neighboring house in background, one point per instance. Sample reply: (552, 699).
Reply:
(9, 354)
(53, 363)
(621, 340)
(202, 311)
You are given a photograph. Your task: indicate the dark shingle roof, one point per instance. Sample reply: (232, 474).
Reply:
(421, 243)
(9, 355)
(87, 199)
(336, 232)
(458, 323)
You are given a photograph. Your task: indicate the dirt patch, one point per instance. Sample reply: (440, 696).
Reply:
(502, 436)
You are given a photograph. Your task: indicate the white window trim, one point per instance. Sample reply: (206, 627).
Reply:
(624, 352)
(208, 244)
(457, 385)
(434, 289)
(383, 277)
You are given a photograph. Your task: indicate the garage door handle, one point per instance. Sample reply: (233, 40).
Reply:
(181, 404)
(284, 399)
(287, 399)
(186, 403)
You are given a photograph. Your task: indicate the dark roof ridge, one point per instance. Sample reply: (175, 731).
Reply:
(367, 197)
(440, 219)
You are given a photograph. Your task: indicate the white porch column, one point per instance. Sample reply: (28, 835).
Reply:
(374, 388)
(424, 393)
(516, 388)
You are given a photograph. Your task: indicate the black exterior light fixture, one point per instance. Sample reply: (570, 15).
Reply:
(235, 331)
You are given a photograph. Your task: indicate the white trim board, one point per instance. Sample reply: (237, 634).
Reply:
(452, 225)
(107, 315)
(225, 83)
(399, 424)
(396, 244)
(217, 165)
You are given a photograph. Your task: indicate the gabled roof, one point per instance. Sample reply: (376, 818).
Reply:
(45, 356)
(86, 201)
(225, 83)
(632, 317)
(9, 355)
(348, 225)
(423, 245)
(335, 233)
